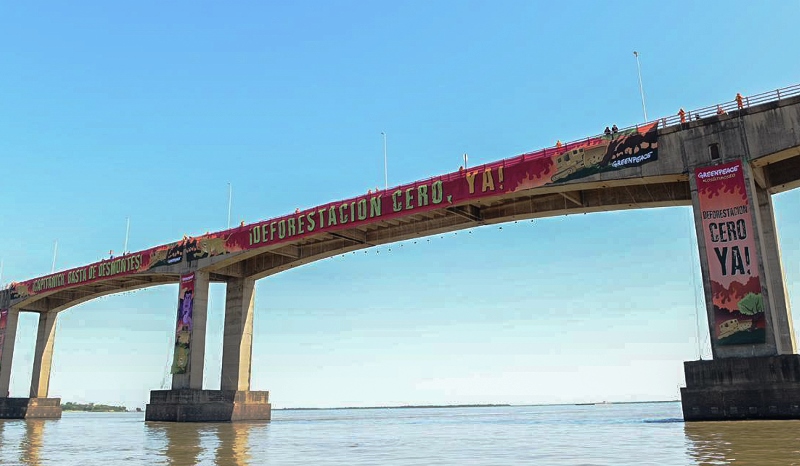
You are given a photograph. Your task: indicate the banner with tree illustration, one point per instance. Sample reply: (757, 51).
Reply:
(3, 323)
(183, 328)
(731, 255)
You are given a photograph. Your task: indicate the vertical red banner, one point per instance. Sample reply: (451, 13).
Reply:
(731, 255)
(3, 323)
(183, 327)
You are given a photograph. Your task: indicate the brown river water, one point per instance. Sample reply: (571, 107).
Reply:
(606, 434)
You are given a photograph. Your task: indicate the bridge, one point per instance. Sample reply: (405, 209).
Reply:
(725, 161)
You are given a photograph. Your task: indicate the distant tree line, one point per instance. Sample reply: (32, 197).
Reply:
(91, 407)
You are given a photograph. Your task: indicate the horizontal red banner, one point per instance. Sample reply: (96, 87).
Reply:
(572, 161)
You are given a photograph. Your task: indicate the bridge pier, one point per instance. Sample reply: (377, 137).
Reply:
(755, 373)
(38, 405)
(188, 401)
(237, 343)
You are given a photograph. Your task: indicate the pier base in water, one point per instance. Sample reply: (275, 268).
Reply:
(742, 388)
(190, 405)
(30, 408)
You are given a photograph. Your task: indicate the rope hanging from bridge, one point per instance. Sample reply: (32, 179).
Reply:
(693, 265)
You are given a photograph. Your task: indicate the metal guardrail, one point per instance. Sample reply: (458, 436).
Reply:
(713, 110)
(725, 107)
(673, 120)
(731, 106)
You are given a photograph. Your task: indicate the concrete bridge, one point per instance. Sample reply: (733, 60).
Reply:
(725, 161)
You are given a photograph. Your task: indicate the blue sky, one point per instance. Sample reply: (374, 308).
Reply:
(149, 110)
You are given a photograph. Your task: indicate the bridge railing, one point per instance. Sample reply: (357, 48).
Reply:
(549, 151)
(732, 106)
(712, 110)
(724, 107)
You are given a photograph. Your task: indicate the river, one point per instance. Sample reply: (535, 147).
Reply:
(605, 434)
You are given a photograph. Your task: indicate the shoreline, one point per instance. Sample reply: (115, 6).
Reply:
(493, 405)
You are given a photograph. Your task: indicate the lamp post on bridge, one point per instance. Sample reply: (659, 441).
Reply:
(55, 253)
(127, 233)
(230, 199)
(385, 164)
(641, 88)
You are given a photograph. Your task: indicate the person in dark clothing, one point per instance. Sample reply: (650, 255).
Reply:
(607, 132)
(614, 129)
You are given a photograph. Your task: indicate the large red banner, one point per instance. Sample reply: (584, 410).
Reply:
(731, 255)
(125, 264)
(577, 160)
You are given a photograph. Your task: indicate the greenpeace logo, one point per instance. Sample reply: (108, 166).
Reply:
(718, 172)
(630, 160)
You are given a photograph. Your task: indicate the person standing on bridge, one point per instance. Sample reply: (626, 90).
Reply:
(739, 101)
(558, 144)
(607, 132)
(682, 114)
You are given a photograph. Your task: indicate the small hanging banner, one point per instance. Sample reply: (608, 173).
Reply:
(183, 330)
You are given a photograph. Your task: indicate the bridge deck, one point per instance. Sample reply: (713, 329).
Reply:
(466, 199)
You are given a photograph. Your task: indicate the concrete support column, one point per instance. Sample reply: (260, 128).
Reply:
(43, 356)
(773, 281)
(7, 350)
(193, 378)
(237, 344)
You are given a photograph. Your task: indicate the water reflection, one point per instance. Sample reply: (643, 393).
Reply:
(233, 446)
(760, 443)
(182, 442)
(195, 443)
(31, 444)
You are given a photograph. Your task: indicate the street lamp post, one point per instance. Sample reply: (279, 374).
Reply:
(385, 164)
(55, 253)
(641, 88)
(127, 234)
(230, 199)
